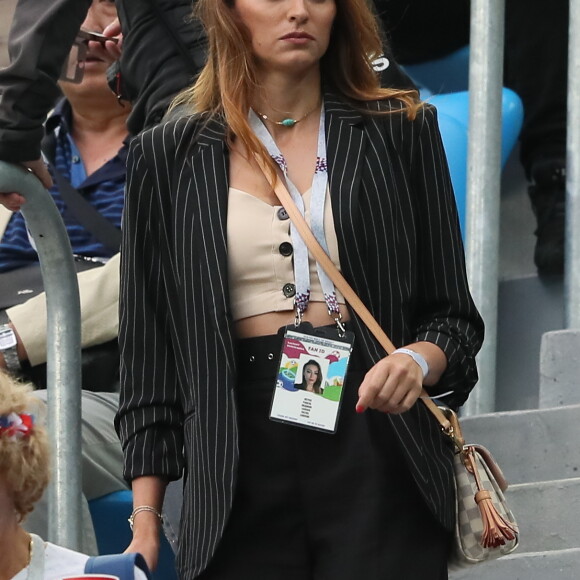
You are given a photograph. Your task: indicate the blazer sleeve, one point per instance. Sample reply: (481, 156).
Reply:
(99, 296)
(446, 313)
(40, 38)
(150, 417)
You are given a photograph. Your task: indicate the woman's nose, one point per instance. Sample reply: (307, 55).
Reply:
(298, 10)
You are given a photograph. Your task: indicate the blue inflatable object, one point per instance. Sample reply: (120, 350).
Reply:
(456, 105)
(444, 82)
(449, 74)
(453, 114)
(110, 514)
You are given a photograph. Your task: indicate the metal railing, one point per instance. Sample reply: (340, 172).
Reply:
(484, 183)
(63, 351)
(483, 188)
(572, 267)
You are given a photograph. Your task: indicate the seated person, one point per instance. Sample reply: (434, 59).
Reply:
(86, 135)
(24, 457)
(87, 132)
(88, 128)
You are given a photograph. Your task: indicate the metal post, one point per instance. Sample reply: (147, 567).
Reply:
(572, 267)
(63, 351)
(483, 183)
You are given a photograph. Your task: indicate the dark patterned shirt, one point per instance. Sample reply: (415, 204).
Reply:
(104, 189)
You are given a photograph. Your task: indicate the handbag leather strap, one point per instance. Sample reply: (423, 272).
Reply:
(342, 285)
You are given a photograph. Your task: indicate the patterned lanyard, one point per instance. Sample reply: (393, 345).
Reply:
(317, 201)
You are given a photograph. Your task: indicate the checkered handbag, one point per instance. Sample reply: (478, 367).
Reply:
(485, 526)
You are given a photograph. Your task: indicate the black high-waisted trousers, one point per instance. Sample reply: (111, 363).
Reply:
(314, 506)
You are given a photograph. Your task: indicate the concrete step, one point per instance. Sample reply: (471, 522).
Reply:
(554, 565)
(530, 445)
(547, 514)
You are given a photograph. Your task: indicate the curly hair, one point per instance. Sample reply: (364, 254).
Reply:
(24, 461)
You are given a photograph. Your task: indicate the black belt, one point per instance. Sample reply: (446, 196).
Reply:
(259, 357)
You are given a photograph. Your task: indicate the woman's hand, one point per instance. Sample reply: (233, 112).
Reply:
(148, 492)
(146, 538)
(393, 385)
(149, 551)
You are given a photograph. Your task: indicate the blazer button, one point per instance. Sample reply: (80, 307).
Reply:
(282, 214)
(286, 248)
(289, 290)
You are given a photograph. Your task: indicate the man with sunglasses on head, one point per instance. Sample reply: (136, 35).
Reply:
(163, 50)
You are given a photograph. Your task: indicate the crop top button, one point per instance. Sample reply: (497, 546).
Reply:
(289, 290)
(286, 248)
(282, 214)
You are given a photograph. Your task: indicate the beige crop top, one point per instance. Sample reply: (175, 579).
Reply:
(261, 274)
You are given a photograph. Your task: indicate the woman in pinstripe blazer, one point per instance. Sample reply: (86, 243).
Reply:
(263, 499)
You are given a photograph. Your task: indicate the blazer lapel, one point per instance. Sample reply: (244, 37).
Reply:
(209, 162)
(346, 145)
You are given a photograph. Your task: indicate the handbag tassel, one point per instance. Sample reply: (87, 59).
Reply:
(495, 528)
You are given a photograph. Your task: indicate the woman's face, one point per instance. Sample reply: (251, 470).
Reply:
(311, 373)
(288, 35)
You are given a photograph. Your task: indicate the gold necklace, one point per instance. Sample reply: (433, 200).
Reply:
(29, 555)
(289, 122)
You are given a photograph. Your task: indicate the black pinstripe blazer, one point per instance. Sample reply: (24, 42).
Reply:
(399, 245)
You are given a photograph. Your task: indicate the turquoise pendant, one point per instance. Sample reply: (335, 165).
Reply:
(288, 122)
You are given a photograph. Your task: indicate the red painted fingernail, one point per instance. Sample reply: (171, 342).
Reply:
(360, 409)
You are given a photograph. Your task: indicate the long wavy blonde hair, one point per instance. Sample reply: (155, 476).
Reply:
(227, 83)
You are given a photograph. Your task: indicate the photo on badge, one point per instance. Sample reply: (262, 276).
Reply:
(310, 381)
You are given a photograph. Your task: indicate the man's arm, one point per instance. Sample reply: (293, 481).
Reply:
(99, 293)
(40, 39)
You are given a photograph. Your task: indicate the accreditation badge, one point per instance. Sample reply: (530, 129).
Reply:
(311, 377)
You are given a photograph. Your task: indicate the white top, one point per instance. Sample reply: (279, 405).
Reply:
(50, 562)
(258, 271)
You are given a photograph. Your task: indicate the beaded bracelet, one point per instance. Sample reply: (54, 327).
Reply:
(143, 508)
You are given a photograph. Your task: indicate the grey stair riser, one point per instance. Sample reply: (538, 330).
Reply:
(548, 514)
(558, 565)
(527, 308)
(533, 445)
(559, 368)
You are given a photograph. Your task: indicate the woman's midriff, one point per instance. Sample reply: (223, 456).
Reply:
(270, 322)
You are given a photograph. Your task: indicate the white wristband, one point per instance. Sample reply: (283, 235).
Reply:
(418, 358)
